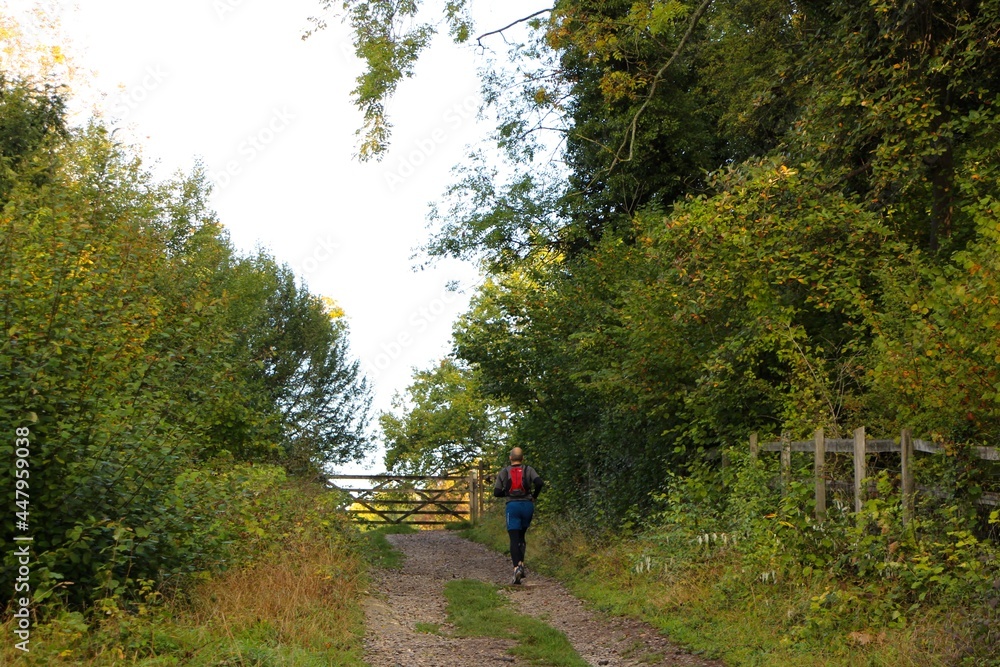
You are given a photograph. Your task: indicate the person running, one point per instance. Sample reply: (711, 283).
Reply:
(520, 485)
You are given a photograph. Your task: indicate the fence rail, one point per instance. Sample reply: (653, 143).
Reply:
(424, 500)
(860, 447)
(846, 446)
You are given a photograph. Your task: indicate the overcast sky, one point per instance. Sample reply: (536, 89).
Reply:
(232, 84)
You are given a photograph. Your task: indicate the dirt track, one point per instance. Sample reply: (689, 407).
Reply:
(402, 599)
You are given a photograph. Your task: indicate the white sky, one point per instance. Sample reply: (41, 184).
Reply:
(198, 79)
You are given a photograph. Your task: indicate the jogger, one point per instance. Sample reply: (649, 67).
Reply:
(520, 485)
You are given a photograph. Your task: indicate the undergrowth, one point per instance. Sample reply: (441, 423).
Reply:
(290, 597)
(755, 580)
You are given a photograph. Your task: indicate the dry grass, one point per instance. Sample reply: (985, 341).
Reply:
(307, 596)
(298, 609)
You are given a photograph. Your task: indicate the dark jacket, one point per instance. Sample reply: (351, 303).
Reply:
(529, 478)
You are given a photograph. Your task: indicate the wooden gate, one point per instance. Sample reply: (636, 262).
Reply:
(412, 499)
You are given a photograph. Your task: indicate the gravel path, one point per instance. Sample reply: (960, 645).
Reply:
(415, 594)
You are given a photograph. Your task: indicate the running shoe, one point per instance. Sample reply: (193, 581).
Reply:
(518, 574)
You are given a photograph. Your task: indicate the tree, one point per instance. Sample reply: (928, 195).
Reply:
(302, 398)
(718, 217)
(131, 329)
(443, 423)
(108, 357)
(32, 121)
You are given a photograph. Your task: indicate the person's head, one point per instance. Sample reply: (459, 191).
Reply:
(516, 455)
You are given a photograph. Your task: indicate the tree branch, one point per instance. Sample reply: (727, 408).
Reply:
(630, 138)
(479, 40)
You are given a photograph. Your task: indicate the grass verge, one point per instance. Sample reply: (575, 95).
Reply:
(707, 604)
(476, 609)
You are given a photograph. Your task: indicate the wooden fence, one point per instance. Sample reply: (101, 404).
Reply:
(860, 447)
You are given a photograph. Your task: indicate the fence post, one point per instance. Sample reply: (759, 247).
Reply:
(860, 466)
(786, 464)
(473, 498)
(906, 460)
(819, 472)
(481, 504)
(754, 451)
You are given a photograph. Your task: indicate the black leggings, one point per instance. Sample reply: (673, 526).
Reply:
(517, 546)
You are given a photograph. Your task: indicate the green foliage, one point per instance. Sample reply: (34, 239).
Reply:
(389, 39)
(32, 121)
(289, 594)
(902, 109)
(501, 224)
(144, 357)
(938, 363)
(444, 423)
(875, 571)
(800, 232)
(768, 216)
(721, 316)
(296, 395)
(761, 596)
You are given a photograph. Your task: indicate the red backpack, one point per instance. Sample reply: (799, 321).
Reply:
(517, 489)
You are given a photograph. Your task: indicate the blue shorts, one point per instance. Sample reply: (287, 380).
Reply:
(519, 513)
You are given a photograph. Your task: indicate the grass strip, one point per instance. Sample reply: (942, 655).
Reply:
(378, 549)
(477, 609)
